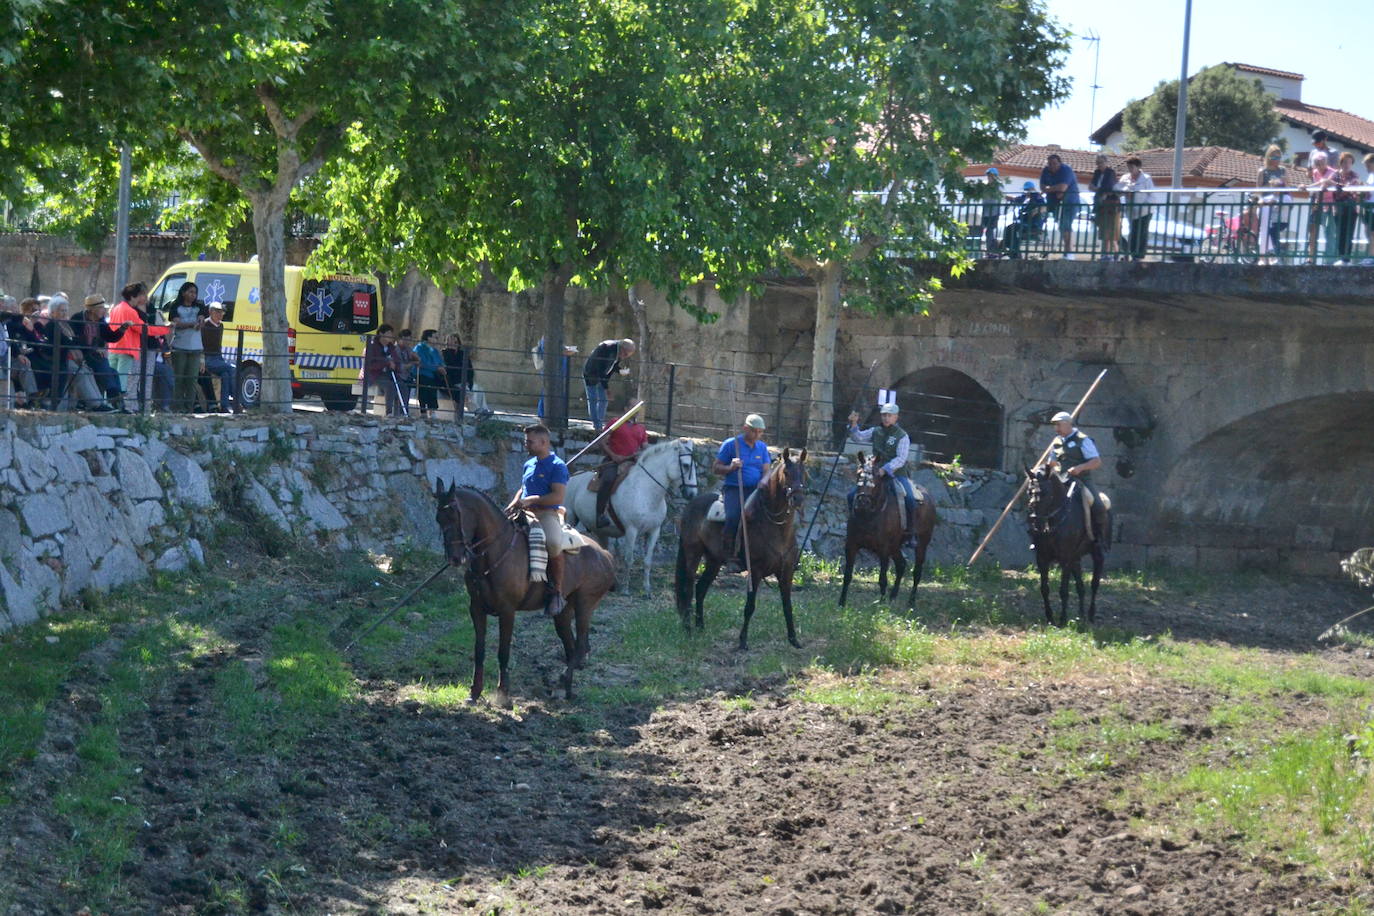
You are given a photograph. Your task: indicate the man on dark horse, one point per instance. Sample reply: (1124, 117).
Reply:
(891, 445)
(620, 447)
(741, 458)
(541, 497)
(1076, 455)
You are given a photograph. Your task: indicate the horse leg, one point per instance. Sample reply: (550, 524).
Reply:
(563, 623)
(882, 575)
(1099, 560)
(684, 579)
(850, 554)
(703, 586)
(1045, 587)
(1063, 594)
(626, 550)
(748, 612)
(1078, 584)
(919, 564)
(898, 572)
(584, 629)
(650, 545)
(479, 649)
(507, 625)
(785, 591)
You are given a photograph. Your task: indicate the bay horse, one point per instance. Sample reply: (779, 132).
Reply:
(640, 502)
(493, 550)
(772, 510)
(875, 525)
(1059, 534)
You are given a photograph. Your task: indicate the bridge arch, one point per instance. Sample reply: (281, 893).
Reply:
(949, 413)
(1292, 483)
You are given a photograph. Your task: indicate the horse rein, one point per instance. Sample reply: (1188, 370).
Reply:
(470, 548)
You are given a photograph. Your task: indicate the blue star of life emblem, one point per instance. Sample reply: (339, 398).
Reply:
(320, 304)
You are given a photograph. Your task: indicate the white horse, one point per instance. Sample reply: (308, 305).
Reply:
(641, 501)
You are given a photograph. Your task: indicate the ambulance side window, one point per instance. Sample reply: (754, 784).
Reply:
(162, 297)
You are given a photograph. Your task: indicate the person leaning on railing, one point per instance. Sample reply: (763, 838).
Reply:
(1106, 208)
(1367, 208)
(1322, 177)
(68, 379)
(1137, 185)
(991, 210)
(20, 341)
(1271, 217)
(1347, 207)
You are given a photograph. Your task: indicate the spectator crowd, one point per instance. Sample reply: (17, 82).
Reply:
(1335, 202)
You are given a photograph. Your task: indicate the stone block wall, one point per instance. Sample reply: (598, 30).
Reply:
(93, 504)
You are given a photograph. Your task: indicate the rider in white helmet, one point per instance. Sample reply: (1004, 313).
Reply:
(1076, 455)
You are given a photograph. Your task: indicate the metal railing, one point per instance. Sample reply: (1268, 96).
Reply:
(1227, 225)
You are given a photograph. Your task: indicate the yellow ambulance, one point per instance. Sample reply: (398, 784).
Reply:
(330, 319)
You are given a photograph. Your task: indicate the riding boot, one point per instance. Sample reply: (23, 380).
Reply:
(553, 598)
(603, 498)
(909, 533)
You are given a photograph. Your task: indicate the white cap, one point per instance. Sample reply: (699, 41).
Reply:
(889, 407)
(755, 421)
(1062, 416)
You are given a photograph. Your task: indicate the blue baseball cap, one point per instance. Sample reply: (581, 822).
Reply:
(992, 171)
(1028, 186)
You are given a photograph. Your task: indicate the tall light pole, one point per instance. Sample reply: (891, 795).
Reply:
(1182, 118)
(121, 265)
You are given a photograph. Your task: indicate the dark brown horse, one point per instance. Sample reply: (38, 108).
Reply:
(1059, 534)
(772, 519)
(875, 525)
(479, 536)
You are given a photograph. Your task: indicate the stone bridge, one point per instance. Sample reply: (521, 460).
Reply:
(1236, 420)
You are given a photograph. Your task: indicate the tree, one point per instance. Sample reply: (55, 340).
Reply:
(637, 145)
(932, 89)
(265, 92)
(1224, 109)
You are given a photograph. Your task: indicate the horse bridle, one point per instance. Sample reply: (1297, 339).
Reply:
(1043, 524)
(684, 463)
(781, 520)
(470, 548)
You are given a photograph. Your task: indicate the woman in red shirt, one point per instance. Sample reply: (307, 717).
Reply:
(126, 353)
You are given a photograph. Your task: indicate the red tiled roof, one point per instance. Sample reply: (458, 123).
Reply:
(1203, 166)
(1348, 129)
(1251, 68)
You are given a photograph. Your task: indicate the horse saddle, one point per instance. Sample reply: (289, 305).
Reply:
(623, 469)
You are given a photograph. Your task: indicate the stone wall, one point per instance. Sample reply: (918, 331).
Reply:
(90, 504)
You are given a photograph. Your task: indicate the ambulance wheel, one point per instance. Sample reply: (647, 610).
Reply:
(249, 387)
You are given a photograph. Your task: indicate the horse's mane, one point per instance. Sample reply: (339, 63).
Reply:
(482, 494)
(657, 447)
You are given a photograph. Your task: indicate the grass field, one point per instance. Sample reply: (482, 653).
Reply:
(174, 744)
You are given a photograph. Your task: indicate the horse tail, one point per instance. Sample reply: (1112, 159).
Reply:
(682, 577)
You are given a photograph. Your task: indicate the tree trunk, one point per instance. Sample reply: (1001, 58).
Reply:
(823, 409)
(269, 230)
(644, 380)
(555, 299)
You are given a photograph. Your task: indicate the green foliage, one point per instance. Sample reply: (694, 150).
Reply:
(1224, 109)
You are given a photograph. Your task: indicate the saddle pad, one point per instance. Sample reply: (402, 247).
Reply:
(717, 511)
(573, 540)
(539, 555)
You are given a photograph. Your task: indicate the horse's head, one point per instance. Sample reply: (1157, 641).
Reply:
(1046, 492)
(686, 468)
(787, 480)
(865, 499)
(450, 518)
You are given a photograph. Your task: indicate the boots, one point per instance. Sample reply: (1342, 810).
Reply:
(553, 599)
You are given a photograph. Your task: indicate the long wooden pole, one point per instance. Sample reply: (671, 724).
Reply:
(607, 431)
(1043, 455)
(743, 521)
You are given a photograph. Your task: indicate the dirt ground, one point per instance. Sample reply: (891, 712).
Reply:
(944, 803)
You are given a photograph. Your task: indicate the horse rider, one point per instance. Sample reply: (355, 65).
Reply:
(891, 445)
(741, 458)
(625, 442)
(543, 485)
(1077, 456)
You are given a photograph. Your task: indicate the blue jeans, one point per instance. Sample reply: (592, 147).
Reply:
(106, 379)
(163, 384)
(539, 408)
(596, 404)
(218, 367)
(733, 510)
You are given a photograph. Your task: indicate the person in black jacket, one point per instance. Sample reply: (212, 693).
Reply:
(460, 378)
(603, 362)
(93, 334)
(20, 340)
(71, 381)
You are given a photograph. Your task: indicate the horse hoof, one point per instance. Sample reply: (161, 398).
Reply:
(742, 647)
(503, 700)
(796, 643)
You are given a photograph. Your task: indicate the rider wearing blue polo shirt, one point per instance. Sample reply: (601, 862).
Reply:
(743, 457)
(542, 489)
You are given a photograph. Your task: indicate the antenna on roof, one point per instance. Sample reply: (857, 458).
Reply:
(1096, 39)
